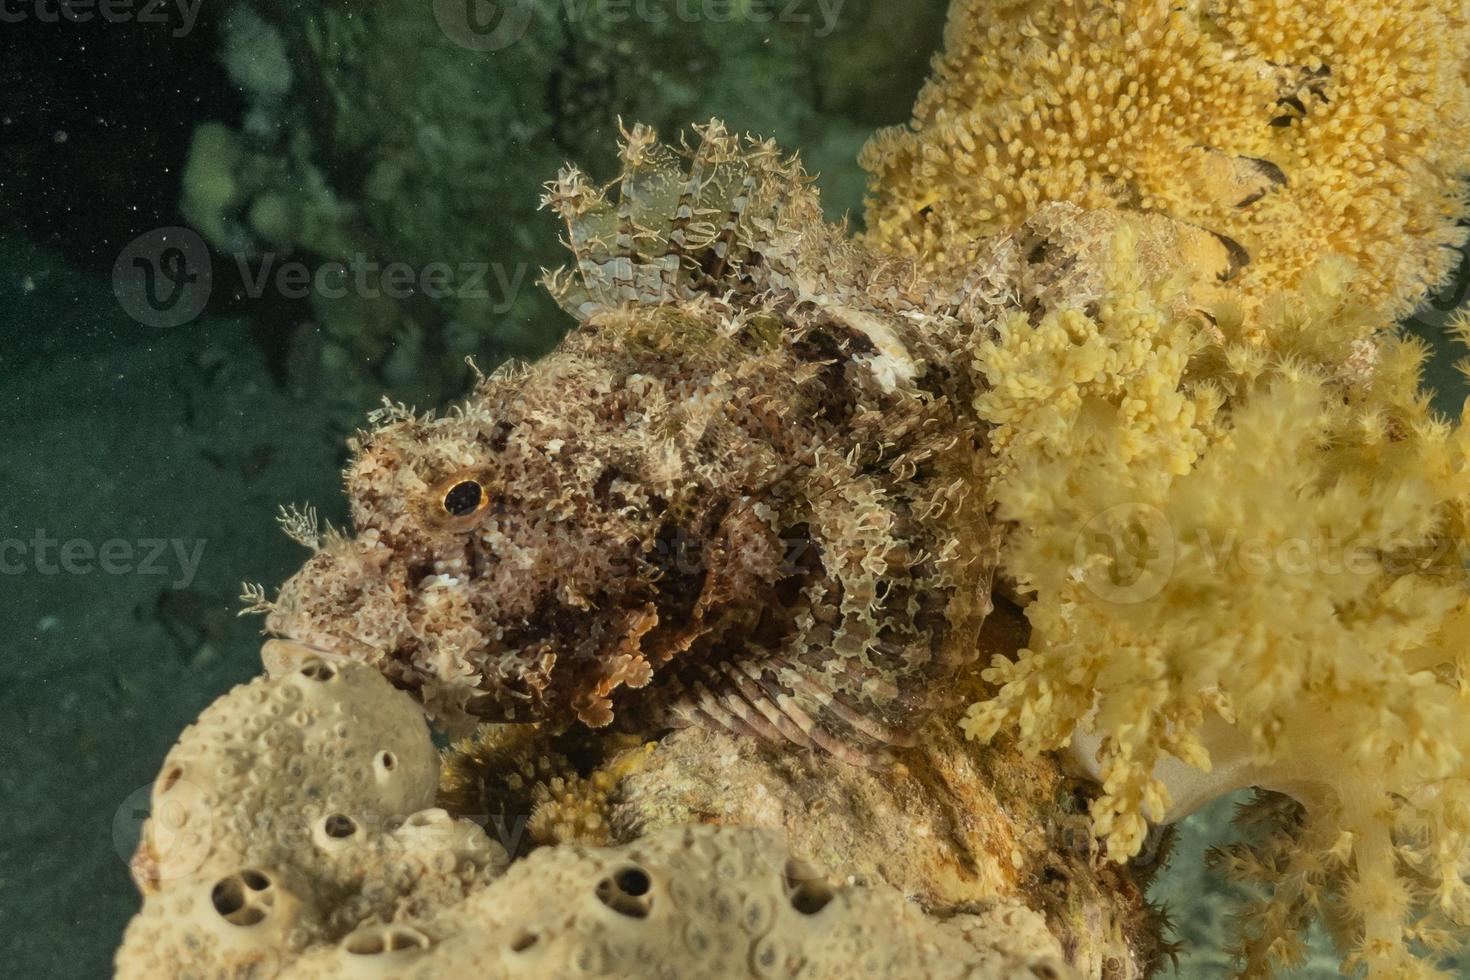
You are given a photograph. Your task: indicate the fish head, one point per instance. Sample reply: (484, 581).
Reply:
(507, 561)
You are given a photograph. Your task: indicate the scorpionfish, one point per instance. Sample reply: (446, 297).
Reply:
(741, 493)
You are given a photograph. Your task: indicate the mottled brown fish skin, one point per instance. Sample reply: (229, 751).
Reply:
(742, 493)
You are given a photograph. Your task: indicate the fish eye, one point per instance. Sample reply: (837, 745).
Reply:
(464, 498)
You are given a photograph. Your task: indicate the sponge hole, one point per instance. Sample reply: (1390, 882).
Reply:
(339, 826)
(170, 779)
(379, 940)
(806, 889)
(626, 892)
(244, 898)
(318, 670)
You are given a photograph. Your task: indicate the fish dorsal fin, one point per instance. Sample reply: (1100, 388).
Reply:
(727, 214)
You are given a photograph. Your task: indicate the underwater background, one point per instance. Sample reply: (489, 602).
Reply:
(226, 232)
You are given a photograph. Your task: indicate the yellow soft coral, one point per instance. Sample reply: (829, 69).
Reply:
(1048, 380)
(1293, 131)
(1250, 559)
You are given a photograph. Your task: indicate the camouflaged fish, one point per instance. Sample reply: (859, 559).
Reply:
(742, 493)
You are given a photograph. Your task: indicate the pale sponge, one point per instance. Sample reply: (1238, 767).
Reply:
(293, 810)
(292, 837)
(691, 902)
